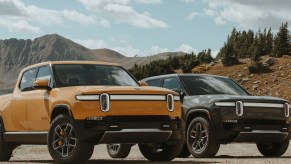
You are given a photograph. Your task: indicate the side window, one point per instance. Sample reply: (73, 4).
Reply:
(172, 83)
(155, 83)
(44, 73)
(28, 79)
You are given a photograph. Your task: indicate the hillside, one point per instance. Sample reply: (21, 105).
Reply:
(276, 83)
(16, 54)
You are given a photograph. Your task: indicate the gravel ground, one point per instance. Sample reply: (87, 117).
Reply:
(231, 153)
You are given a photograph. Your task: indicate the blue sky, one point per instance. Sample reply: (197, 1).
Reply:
(140, 27)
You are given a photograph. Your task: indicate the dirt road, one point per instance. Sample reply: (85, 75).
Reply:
(231, 153)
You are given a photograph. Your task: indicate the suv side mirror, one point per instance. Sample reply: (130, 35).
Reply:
(142, 83)
(182, 95)
(41, 84)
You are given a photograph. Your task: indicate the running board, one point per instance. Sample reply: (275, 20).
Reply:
(33, 138)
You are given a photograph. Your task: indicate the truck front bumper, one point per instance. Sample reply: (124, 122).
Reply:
(129, 129)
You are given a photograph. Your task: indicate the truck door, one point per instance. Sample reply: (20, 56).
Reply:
(38, 104)
(19, 101)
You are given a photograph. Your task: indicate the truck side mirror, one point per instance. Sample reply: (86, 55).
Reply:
(142, 83)
(41, 84)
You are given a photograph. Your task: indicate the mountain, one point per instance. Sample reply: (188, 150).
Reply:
(16, 54)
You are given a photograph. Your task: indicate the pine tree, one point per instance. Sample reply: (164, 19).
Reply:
(282, 41)
(228, 55)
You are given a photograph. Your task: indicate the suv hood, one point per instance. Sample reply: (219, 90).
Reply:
(202, 100)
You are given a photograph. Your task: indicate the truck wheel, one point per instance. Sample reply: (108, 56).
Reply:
(6, 149)
(200, 139)
(118, 150)
(160, 152)
(273, 149)
(63, 144)
(185, 153)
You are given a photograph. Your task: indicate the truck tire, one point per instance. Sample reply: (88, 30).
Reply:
(200, 138)
(63, 144)
(161, 152)
(6, 149)
(273, 149)
(185, 153)
(118, 150)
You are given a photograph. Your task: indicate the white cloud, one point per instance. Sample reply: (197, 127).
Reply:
(187, 49)
(26, 15)
(248, 13)
(188, 1)
(92, 43)
(78, 17)
(121, 11)
(128, 51)
(19, 26)
(214, 53)
(157, 49)
(104, 23)
(149, 1)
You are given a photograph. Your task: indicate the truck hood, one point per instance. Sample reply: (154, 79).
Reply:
(124, 90)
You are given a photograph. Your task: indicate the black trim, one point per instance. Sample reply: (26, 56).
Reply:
(32, 138)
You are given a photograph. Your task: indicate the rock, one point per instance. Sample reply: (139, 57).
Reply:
(211, 64)
(245, 79)
(255, 87)
(239, 75)
(251, 75)
(265, 82)
(245, 68)
(256, 82)
(269, 61)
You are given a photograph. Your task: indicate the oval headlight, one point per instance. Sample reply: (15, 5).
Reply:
(170, 102)
(239, 108)
(104, 102)
(286, 110)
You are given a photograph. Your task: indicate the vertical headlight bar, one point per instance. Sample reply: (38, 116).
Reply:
(104, 102)
(239, 108)
(286, 109)
(170, 102)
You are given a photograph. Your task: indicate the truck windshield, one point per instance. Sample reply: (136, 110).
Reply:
(210, 85)
(90, 74)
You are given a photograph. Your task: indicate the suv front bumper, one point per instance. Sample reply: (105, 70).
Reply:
(253, 131)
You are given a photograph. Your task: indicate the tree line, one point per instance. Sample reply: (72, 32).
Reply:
(239, 44)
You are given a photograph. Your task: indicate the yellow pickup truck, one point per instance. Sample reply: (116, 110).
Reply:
(73, 105)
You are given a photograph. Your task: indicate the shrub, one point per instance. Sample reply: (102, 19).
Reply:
(201, 68)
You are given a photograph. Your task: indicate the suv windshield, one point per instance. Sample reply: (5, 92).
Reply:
(210, 85)
(90, 74)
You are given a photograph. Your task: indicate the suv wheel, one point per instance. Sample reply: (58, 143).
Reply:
(63, 144)
(200, 138)
(160, 152)
(6, 149)
(118, 150)
(273, 149)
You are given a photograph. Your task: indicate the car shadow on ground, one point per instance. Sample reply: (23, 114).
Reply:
(115, 161)
(247, 157)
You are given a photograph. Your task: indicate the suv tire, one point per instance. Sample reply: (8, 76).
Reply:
(118, 150)
(161, 152)
(273, 149)
(200, 138)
